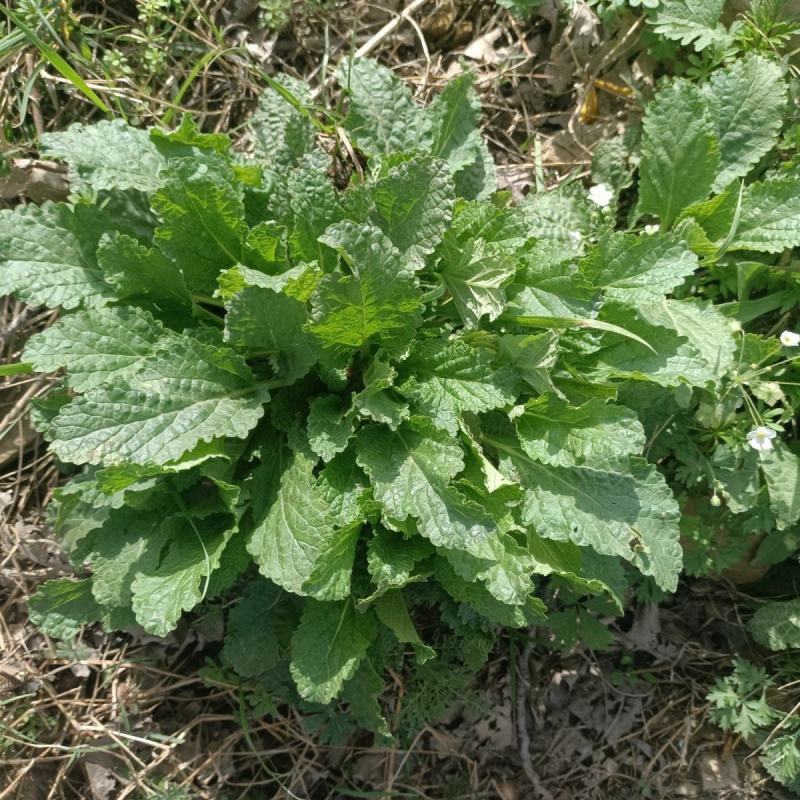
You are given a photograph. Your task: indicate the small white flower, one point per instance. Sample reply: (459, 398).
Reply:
(576, 237)
(760, 438)
(651, 229)
(790, 339)
(601, 195)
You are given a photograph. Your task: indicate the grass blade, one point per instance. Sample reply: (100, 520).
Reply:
(569, 322)
(57, 61)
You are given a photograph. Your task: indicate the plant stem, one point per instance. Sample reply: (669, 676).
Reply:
(208, 300)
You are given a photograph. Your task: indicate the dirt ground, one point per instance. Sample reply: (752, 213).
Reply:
(125, 716)
(112, 717)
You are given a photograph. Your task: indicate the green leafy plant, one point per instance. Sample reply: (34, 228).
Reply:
(767, 27)
(690, 38)
(776, 625)
(691, 23)
(740, 703)
(392, 408)
(725, 451)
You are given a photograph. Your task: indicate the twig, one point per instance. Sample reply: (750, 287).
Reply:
(21, 404)
(523, 736)
(377, 38)
(774, 732)
(17, 779)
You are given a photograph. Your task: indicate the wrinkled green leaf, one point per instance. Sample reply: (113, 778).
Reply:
(445, 379)
(410, 472)
(62, 607)
(327, 648)
(777, 625)
(48, 255)
(747, 100)
(593, 434)
(109, 154)
(382, 117)
(680, 152)
(186, 393)
(378, 302)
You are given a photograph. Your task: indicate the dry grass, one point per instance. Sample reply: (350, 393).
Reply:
(538, 81)
(132, 716)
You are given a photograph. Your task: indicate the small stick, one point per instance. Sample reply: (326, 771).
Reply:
(523, 736)
(377, 38)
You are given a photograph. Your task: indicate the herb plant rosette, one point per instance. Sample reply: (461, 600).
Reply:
(406, 401)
